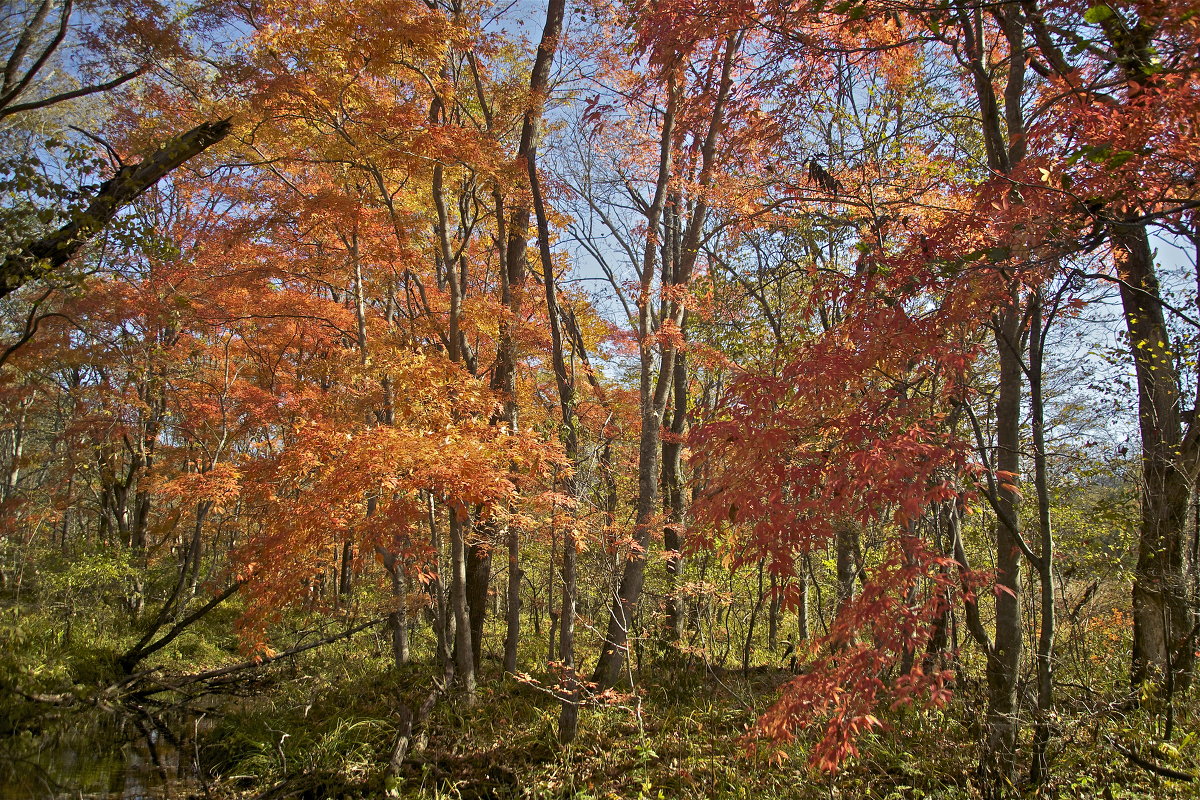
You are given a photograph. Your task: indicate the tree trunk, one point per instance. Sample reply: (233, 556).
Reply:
(773, 615)
(513, 264)
(464, 657)
(552, 641)
(346, 575)
(1161, 622)
(653, 390)
(398, 619)
(846, 545)
(944, 537)
(1039, 769)
(802, 623)
(443, 621)
(1004, 657)
(479, 576)
(15, 451)
(673, 490)
(568, 721)
(748, 645)
(512, 634)
(615, 646)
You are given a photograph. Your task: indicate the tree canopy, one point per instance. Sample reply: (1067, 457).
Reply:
(697, 316)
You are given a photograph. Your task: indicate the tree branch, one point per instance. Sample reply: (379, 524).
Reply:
(1149, 765)
(41, 257)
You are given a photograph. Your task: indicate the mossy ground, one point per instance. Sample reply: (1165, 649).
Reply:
(323, 724)
(326, 730)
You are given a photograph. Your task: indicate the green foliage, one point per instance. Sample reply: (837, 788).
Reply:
(36, 194)
(1097, 14)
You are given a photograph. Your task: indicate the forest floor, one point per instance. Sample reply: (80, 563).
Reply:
(680, 736)
(324, 725)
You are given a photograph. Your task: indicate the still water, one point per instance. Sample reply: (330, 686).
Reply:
(124, 759)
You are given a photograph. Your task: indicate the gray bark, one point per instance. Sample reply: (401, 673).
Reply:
(1161, 621)
(653, 390)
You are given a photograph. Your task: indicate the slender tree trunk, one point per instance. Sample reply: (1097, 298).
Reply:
(552, 584)
(653, 390)
(464, 656)
(565, 382)
(196, 552)
(1039, 773)
(568, 719)
(846, 545)
(398, 619)
(614, 649)
(504, 381)
(1004, 658)
(748, 645)
(514, 265)
(944, 537)
(16, 451)
(673, 489)
(346, 574)
(443, 620)
(1002, 125)
(802, 623)
(454, 270)
(773, 614)
(512, 634)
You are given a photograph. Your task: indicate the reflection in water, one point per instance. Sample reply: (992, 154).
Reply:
(127, 759)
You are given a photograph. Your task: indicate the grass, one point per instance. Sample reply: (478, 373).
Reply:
(680, 735)
(323, 724)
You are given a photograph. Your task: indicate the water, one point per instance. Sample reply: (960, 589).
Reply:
(123, 759)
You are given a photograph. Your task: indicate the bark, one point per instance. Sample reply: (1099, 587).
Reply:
(653, 390)
(936, 651)
(346, 570)
(453, 268)
(1163, 646)
(565, 383)
(15, 451)
(513, 267)
(673, 489)
(802, 624)
(39, 258)
(443, 620)
(551, 583)
(1038, 772)
(464, 658)
(479, 575)
(1004, 657)
(513, 611)
(773, 614)
(846, 545)
(1161, 621)
(504, 382)
(1003, 128)
(397, 621)
(615, 645)
(748, 645)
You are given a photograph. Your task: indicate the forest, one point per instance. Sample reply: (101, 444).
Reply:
(606, 399)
